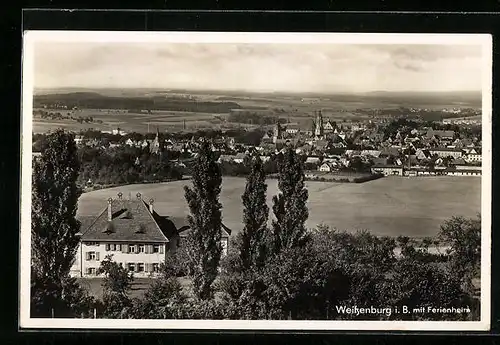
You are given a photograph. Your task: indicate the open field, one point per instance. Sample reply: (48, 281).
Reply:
(295, 107)
(129, 122)
(389, 206)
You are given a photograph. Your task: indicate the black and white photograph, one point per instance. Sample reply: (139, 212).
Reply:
(255, 181)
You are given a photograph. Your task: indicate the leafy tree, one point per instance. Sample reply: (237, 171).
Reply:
(116, 287)
(163, 300)
(290, 206)
(464, 238)
(205, 220)
(253, 239)
(300, 285)
(54, 227)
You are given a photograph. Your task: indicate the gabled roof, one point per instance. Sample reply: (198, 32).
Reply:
(131, 220)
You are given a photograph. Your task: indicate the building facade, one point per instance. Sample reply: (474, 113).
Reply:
(133, 234)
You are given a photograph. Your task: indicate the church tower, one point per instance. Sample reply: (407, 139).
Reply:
(277, 132)
(155, 147)
(318, 131)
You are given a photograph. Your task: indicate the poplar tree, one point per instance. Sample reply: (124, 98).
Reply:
(290, 205)
(205, 220)
(252, 240)
(54, 227)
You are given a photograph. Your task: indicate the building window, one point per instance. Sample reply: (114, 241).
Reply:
(119, 247)
(108, 247)
(131, 248)
(91, 271)
(156, 267)
(92, 244)
(92, 256)
(141, 248)
(156, 248)
(131, 267)
(140, 267)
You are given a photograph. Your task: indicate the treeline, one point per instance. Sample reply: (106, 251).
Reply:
(279, 271)
(83, 100)
(254, 118)
(125, 166)
(59, 116)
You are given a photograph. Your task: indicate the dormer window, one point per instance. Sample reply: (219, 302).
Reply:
(110, 228)
(141, 229)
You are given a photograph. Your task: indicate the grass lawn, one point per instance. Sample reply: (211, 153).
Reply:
(390, 206)
(139, 285)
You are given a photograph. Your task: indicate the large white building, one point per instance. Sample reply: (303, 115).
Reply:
(134, 234)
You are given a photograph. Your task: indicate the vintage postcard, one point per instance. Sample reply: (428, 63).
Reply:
(256, 181)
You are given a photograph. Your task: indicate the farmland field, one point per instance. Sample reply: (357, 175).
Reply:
(389, 206)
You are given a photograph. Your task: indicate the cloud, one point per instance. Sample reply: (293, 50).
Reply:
(283, 67)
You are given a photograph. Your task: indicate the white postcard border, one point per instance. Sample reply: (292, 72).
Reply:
(30, 37)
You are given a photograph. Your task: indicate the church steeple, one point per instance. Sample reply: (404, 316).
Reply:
(277, 132)
(155, 147)
(318, 132)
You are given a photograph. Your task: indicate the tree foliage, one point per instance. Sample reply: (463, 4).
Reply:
(464, 238)
(116, 287)
(54, 227)
(205, 220)
(252, 240)
(290, 205)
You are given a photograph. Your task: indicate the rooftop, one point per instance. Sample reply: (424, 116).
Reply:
(130, 220)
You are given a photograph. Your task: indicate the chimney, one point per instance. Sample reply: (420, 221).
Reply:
(151, 201)
(110, 214)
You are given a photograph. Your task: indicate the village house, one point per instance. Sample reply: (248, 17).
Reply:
(313, 160)
(387, 170)
(473, 155)
(136, 236)
(446, 152)
(292, 129)
(328, 167)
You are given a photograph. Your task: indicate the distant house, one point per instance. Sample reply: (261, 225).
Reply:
(371, 153)
(313, 160)
(79, 139)
(447, 135)
(292, 129)
(136, 236)
(387, 170)
(422, 154)
(446, 152)
(473, 155)
(328, 126)
(327, 167)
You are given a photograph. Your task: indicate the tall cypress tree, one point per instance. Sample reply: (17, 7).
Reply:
(54, 227)
(290, 205)
(252, 240)
(205, 220)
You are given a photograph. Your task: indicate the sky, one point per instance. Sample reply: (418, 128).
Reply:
(259, 66)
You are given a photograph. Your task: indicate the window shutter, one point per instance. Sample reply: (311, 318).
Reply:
(146, 267)
(119, 247)
(151, 249)
(97, 256)
(107, 247)
(124, 248)
(146, 249)
(136, 267)
(87, 256)
(161, 248)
